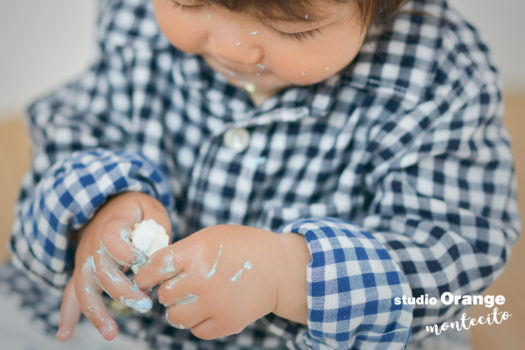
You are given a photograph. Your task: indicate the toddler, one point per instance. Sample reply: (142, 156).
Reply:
(312, 161)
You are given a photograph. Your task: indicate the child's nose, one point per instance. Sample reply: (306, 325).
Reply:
(239, 49)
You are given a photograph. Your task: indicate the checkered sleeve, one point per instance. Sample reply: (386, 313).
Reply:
(444, 203)
(352, 283)
(64, 200)
(441, 216)
(82, 154)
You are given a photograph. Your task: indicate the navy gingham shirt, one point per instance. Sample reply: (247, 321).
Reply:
(397, 171)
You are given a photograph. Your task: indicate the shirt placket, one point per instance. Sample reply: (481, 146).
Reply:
(230, 147)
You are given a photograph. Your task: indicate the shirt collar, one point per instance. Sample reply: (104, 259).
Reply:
(314, 101)
(398, 58)
(387, 62)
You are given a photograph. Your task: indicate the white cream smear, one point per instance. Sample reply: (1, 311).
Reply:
(214, 268)
(148, 236)
(247, 266)
(110, 268)
(141, 305)
(250, 87)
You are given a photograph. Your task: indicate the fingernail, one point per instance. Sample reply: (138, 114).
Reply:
(63, 333)
(179, 326)
(107, 328)
(141, 305)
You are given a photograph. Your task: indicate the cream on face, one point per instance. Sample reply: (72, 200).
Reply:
(267, 53)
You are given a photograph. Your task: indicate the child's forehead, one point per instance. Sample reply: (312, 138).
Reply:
(282, 10)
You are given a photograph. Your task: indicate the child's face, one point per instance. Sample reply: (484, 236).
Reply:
(265, 53)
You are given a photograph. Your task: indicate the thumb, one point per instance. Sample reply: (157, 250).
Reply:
(153, 209)
(126, 212)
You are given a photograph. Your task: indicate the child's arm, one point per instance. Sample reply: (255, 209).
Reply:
(81, 158)
(79, 137)
(80, 133)
(439, 215)
(102, 251)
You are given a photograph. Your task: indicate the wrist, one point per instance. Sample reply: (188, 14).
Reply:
(291, 301)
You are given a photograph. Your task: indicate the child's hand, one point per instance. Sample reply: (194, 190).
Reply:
(222, 278)
(103, 249)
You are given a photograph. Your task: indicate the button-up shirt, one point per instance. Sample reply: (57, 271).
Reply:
(397, 170)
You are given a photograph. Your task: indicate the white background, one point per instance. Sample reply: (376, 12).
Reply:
(44, 43)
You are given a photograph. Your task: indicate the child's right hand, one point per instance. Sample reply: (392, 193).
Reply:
(102, 251)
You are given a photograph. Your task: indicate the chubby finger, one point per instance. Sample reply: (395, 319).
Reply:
(69, 313)
(90, 300)
(209, 329)
(187, 314)
(172, 290)
(117, 285)
(164, 264)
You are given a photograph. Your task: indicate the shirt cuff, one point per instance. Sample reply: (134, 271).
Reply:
(352, 283)
(64, 200)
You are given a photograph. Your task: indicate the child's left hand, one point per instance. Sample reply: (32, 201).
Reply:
(222, 278)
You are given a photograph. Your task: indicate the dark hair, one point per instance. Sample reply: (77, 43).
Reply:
(369, 10)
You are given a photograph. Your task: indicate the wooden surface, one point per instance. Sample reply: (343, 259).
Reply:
(511, 284)
(15, 155)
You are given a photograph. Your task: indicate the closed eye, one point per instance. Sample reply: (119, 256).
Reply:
(185, 7)
(299, 36)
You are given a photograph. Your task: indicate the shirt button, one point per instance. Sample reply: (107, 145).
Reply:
(237, 139)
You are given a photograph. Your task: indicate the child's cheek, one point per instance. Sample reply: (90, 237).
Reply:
(305, 69)
(184, 40)
(312, 63)
(187, 43)
(186, 33)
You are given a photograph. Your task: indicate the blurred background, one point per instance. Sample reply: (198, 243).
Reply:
(45, 43)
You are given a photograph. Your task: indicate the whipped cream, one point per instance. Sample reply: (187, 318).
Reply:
(149, 236)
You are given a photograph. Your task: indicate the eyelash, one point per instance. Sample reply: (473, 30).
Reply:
(183, 7)
(299, 37)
